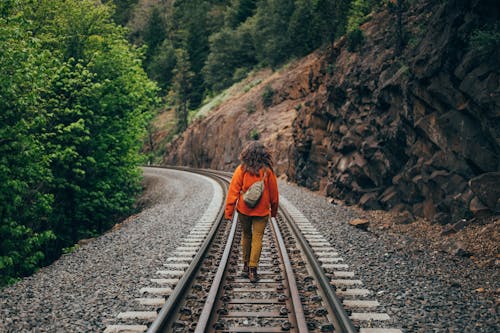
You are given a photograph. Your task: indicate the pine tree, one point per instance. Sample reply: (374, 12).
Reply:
(272, 41)
(181, 88)
(123, 10)
(239, 11)
(155, 33)
(331, 18)
(304, 35)
(190, 18)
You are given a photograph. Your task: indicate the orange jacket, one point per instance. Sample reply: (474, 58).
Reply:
(240, 182)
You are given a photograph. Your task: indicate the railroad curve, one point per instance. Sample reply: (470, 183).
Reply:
(303, 286)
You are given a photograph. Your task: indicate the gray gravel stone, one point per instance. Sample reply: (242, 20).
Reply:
(422, 290)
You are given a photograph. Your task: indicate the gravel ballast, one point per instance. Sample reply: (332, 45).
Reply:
(423, 290)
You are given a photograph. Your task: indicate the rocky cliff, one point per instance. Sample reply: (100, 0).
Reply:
(413, 129)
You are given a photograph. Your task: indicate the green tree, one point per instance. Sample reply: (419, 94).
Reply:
(239, 11)
(181, 88)
(160, 67)
(190, 18)
(272, 42)
(67, 27)
(123, 10)
(331, 18)
(25, 203)
(100, 111)
(155, 32)
(220, 65)
(357, 13)
(75, 102)
(304, 35)
(230, 50)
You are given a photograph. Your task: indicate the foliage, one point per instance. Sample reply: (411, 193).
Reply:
(70, 249)
(254, 134)
(354, 39)
(232, 50)
(75, 103)
(226, 39)
(303, 31)
(486, 41)
(332, 18)
(267, 96)
(238, 12)
(193, 37)
(161, 65)
(181, 88)
(24, 165)
(154, 33)
(358, 12)
(123, 10)
(271, 31)
(251, 107)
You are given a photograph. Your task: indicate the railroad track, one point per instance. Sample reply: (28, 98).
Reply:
(201, 288)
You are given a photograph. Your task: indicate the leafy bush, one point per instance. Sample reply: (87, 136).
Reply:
(486, 41)
(358, 13)
(254, 134)
(267, 96)
(74, 104)
(354, 39)
(239, 74)
(251, 108)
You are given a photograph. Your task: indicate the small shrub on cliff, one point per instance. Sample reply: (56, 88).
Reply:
(354, 39)
(486, 41)
(267, 96)
(239, 74)
(254, 134)
(251, 108)
(358, 13)
(251, 85)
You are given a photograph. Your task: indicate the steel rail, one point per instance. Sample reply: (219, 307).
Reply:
(300, 319)
(206, 313)
(342, 320)
(166, 314)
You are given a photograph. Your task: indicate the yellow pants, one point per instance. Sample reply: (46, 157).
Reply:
(251, 238)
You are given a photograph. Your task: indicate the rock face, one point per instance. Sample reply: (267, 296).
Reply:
(216, 140)
(417, 131)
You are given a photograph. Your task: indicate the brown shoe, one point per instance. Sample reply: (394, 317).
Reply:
(252, 274)
(244, 272)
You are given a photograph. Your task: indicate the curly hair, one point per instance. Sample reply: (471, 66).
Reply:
(254, 156)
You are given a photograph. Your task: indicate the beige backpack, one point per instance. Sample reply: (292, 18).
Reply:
(254, 192)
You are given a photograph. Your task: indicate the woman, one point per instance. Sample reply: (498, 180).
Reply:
(256, 164)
